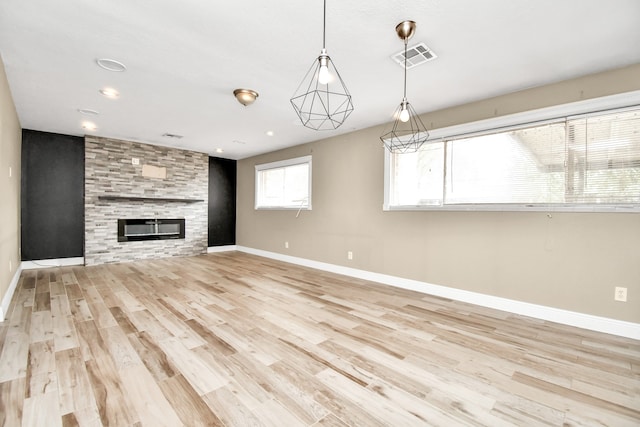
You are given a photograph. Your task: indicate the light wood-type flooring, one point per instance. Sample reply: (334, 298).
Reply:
(233, 339)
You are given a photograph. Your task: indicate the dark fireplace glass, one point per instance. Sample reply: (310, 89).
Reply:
(150, 229)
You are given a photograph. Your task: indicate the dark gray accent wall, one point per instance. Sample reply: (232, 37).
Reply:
(222, 201)
(52, 196)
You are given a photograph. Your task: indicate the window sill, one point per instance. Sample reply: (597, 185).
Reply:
(516, 208)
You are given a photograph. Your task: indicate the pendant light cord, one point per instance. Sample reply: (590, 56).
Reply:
(324, 24)
(405, 68)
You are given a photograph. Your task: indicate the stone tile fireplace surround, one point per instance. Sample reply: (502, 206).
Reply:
(115, 188)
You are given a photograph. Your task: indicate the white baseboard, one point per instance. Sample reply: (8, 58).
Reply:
(566, 317)
(55, 262)
(227, 248)
(6, 299)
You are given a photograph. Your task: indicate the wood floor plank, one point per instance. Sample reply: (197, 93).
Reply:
(20, 319)
(56, 287)
(129, 301)
(152, 356)
(146, 397)
(201, 313)
(609, 406)
(114, 407)
(13, 360)
(232, 339)
(377, 405)
(330, 421)
(91, 342)
(190, 407)
(246, 385)
(202, 377)
(181, 331)
(123, 320)
(12, 396)
(101, 314)
(84, 417)
(230, 410)
(74, 388)
(119, 347)
(64, 333)
(42, 281)
(218, 344)
(41, 369)
(275, 414)
(524, 412)
(42, 410)
(299, 403)
(73, 291)
(80, 310)
(42, 301)
(41, 326)
(241, 341)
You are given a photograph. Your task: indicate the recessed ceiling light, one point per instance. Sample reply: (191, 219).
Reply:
(90, 126)
(269, 133)
(219, 150)
(87, 112)
(111, 65)
(109, 92)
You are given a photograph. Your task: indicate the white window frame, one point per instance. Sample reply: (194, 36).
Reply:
(504, 123)
(283, 164)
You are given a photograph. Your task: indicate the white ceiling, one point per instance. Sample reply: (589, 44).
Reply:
(185, 58)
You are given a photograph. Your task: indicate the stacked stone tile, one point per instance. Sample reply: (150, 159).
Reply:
(109, 172)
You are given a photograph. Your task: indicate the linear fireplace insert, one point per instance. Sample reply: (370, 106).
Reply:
(150, 229)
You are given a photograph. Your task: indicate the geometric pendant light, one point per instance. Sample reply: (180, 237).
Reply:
(322, 100)
(408, 133)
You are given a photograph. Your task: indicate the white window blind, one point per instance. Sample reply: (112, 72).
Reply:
(522, 166)
(590, 161)
(418, 177)
(284, 185)
(603, 158)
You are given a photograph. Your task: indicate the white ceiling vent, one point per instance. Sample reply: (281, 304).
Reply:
(416, 55)
(172, 135)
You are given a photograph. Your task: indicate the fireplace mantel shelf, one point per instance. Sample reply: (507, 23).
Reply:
(149, 199)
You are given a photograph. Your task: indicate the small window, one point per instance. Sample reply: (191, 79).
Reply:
(284, 185)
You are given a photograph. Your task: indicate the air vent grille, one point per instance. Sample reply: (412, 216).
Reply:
(172, 135)
(416, 55)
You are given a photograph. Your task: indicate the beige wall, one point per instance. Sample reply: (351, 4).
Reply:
(10, 140)
(570, 261)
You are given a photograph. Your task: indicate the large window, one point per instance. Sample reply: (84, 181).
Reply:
(586, 162)
(284, 185)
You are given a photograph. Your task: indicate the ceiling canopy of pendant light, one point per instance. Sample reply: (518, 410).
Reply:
(407, 133)
(322, 100)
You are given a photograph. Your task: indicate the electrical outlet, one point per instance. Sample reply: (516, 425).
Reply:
(135, 161)
(349, 255)
(620, 294)
(286, 245)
